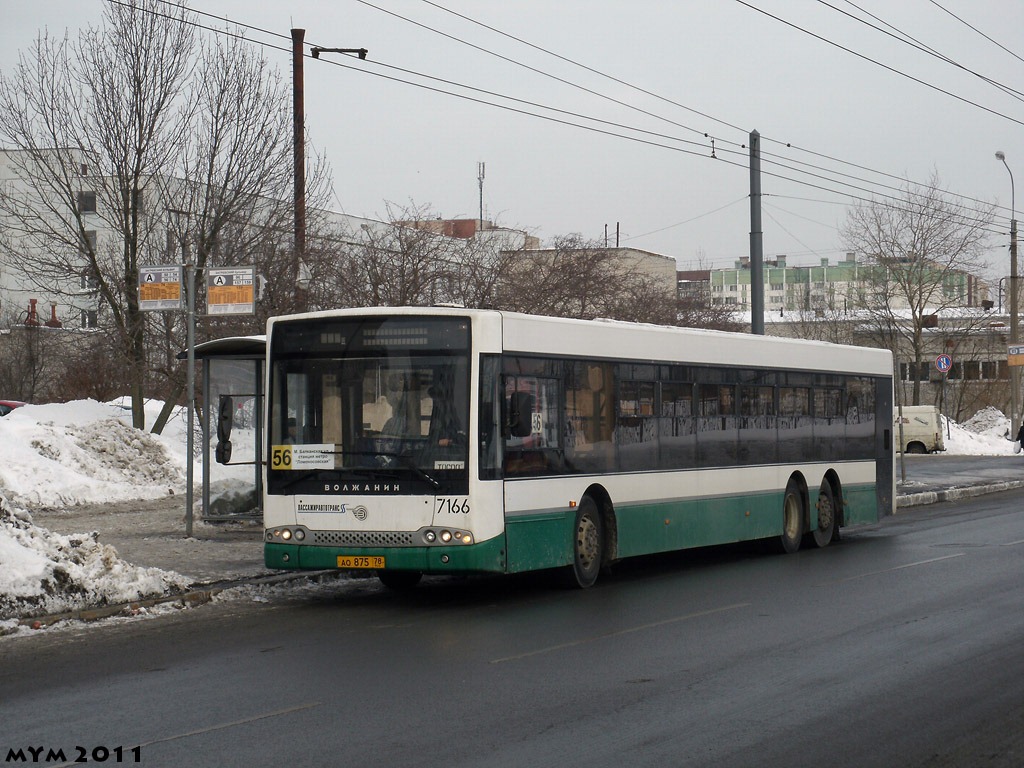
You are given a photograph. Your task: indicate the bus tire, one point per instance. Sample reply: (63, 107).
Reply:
(587, 545)
(399, 581)
(825, 532)
(792, 519)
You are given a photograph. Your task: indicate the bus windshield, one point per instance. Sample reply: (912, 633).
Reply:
(375, 405)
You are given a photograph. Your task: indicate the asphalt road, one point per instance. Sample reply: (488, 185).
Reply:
(899, 646)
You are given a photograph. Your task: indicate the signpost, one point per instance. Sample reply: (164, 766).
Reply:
(229, 291)
(160, 287)
(944, 363)
(1015, 355)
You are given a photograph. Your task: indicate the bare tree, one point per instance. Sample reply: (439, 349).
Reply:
(91, 123)
(577, 278)
(116, 130)
(920, 249)
(399, 262)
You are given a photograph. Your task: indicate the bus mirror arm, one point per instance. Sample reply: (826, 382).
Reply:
(520, 409)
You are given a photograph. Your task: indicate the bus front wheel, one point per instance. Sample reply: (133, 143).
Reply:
(792, 520)
(587, 545)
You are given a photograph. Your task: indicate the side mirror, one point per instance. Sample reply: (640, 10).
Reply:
(225, 413)
(520, 414)
(222, 453)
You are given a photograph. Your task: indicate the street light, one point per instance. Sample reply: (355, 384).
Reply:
(1014, 371)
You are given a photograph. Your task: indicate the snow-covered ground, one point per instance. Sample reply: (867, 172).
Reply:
(84, 452)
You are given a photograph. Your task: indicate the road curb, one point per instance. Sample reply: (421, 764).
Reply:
(196, 595)
(952, 494)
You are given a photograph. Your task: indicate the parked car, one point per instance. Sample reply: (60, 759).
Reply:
(6, 406)
(922, 429)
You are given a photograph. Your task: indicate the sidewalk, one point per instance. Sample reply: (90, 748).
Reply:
(930, 479)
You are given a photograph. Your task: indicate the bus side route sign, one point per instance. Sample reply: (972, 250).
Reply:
(231, 291)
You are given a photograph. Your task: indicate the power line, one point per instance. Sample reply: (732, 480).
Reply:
(914, 43)
(969, 26)
(886, 67)
(552, 109)
(669, 101)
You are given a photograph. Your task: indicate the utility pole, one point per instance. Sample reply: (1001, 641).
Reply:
(299, 153)
(299, 160)
(756, 247)
(1014, 296)
(480, 181)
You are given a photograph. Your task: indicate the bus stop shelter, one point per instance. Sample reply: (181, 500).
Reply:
(232, 368)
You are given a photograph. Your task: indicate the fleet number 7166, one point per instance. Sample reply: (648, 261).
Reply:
(455, 506)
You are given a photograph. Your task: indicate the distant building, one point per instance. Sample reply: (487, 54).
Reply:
(693, 284)
(825, 287)
(70, 300)
(467, 229)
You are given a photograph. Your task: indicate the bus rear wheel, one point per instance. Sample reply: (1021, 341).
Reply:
(792, 520)
(587, 545)
(825, 532)
(399, 581)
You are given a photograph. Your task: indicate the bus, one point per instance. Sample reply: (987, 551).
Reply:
(409, 441)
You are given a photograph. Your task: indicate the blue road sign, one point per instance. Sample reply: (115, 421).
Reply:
(943, 363)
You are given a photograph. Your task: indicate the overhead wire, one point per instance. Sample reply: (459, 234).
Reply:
(886, 67)
(969, 26)
(906, 39)
(765, 155)
(541, 106)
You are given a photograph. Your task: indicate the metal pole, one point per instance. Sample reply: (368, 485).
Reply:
(1014, 295)
(191, 386)
(756, 247)
(299, 159)
(480, 170)
(1014, 289)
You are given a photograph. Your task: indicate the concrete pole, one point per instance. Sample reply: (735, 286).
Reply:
(1014, 337)
(756, 247)
(299, 159)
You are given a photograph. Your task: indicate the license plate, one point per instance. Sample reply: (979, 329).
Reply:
(360, 561)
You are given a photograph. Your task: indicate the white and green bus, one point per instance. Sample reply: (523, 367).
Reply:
(418, 441)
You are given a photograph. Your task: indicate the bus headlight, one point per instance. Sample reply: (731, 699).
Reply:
(445, 536)
(282, 535)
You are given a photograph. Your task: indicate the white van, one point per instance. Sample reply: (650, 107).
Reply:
(922, 429)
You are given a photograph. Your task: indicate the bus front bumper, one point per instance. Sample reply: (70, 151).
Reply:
(487, 557)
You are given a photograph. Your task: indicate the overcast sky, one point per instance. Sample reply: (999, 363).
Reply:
(675, 69)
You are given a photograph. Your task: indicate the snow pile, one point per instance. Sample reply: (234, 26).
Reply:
(86, 452)
(42, 572)
(984, 434)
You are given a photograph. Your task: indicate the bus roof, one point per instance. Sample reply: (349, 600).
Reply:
(616, 339)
